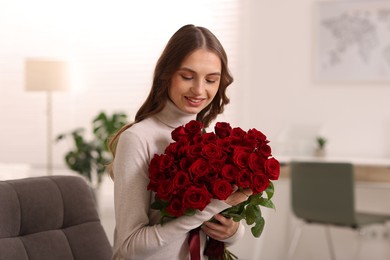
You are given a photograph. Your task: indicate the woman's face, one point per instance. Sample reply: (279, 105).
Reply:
(196, 82)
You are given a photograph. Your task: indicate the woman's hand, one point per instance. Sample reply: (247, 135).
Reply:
(238, 196)
(223, 229)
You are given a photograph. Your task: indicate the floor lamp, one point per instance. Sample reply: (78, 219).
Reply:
(48, 76)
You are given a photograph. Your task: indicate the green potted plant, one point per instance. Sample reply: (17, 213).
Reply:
(90, 157)
(320, 150)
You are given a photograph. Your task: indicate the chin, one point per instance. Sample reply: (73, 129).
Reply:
(192, 111)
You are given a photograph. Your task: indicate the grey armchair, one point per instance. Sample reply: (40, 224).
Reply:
(51, 217)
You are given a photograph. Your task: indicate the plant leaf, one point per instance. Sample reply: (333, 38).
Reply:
(270, 190)
(235, 217)
(190, 212)
(159, 204)
(258, 228)
(267, 203)
(251, 214)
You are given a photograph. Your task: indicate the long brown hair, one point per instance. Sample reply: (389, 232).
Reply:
(185, 41)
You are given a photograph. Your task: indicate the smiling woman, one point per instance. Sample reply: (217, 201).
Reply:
(189, 82)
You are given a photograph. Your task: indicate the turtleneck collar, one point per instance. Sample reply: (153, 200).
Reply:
(173, 117)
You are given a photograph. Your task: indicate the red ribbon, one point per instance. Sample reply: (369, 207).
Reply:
(194, 243)
(215, 249)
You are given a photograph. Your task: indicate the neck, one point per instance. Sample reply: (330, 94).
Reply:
(173, 117)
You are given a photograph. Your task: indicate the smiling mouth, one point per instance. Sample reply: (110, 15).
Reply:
(195, 100)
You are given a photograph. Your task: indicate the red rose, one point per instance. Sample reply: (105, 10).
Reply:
(259, 182)
(164, 190)
(221, 189)
(250, 141)
(179, 134)
(243, 179)
(171, 149)
(185, 163)
(240, 158)
(224, 144)
(166, 162)
(154, 167)
(211, 151)
(256, 162)
(222, 129)
(196, 198)
(209, 138)
(152, 185)
(259, 135)
(194, 127)
(172, 170)
(155, 173)
(272, 168)
(208, 179)
(265, 150)
(237, 135)
(217, 165)
(180, 180)
(199, 168)
(193, 151)
(229, 172)
(181, 149)
(176, 208)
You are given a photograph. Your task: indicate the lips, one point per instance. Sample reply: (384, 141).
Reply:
(195, 101)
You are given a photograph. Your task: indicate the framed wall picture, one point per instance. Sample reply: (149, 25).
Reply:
(352, 41)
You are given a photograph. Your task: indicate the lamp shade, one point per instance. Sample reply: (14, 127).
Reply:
(46, 75)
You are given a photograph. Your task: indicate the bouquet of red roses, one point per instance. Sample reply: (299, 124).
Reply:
(199, 166)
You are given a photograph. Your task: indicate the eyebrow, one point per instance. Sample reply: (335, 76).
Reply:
(192, 71)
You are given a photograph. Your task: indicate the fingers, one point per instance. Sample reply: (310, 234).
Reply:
(238, 197)
(222, 230)
(247, 192)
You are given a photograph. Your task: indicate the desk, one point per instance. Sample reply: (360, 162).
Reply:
(366, 169)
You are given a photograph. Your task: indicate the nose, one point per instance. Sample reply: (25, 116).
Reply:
(198, 87)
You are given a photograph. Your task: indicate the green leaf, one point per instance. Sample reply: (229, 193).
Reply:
(255, 199)
(237, 209)
(235, 217)
(251, 214)
(165, 217)
(270, 190)
(87, 156)
(159, 204)
(267, 203)
(258, 228)
(189, 212)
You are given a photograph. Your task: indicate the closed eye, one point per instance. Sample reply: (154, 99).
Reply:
(210, 81)
(185, 77)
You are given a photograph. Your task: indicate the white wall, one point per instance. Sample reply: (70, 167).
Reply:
(112, 47)
(280, 95)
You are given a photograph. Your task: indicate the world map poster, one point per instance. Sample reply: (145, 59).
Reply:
(353, 41)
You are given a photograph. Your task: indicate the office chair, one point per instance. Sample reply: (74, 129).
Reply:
(51, 217)
(323, 193)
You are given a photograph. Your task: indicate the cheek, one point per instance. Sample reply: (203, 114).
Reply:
(173, 88)
(212, 92)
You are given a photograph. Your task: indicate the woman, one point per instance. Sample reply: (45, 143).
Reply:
(190, 81)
